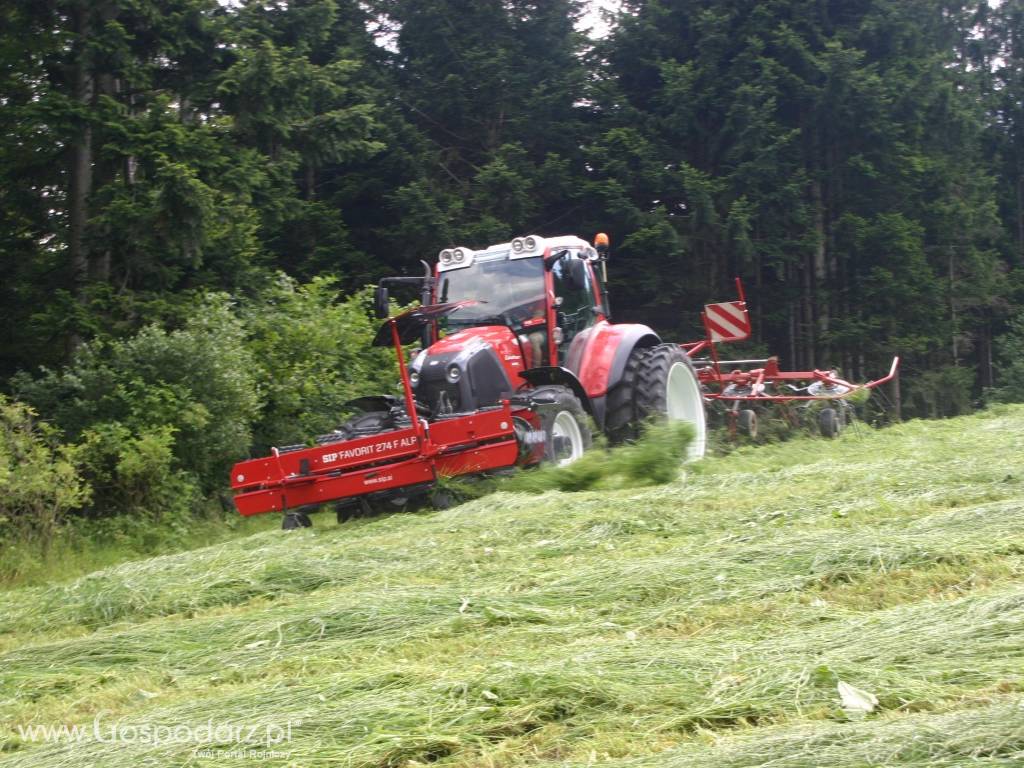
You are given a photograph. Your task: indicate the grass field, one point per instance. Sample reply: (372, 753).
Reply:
(707, 622)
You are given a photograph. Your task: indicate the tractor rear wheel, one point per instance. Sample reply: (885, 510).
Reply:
(566, 429)
(658, 382)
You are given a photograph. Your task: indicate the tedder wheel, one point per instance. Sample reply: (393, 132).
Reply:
(660, 382)
(747, 422)
(566, 431)
(829, 422)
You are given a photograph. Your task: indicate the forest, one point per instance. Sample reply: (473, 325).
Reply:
(195, 194)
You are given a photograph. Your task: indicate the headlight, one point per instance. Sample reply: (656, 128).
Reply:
(454, 374)
(530, 243)
(517, 245)
(446, 257)
(414, 378)
(458, 255)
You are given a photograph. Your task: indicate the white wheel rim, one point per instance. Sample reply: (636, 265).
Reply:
(565, 427)
(684, 402)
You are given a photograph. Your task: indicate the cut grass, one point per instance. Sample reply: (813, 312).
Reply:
(703, 622)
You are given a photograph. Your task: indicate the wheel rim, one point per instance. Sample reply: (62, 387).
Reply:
(684, 402)
(566, 439)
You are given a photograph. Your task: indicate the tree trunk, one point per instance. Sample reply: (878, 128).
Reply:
(80, 170)
(985, 355)
(1020, 216)
(806, 328)
(897, 397)
(310, 181)
(821, 350)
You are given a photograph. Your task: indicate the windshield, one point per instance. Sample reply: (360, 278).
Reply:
(509, 292)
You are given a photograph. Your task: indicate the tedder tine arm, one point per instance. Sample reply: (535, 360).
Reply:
(889, 377)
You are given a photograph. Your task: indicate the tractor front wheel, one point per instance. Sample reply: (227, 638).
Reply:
(566, 430)
(747, 422)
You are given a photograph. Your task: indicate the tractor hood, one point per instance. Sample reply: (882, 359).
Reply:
(499, 337)
(473, 368)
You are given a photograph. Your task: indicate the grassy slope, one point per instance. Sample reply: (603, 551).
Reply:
(705, 622)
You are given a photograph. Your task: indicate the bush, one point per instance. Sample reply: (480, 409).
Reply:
(159, 415)
(39, 477)
(942, 393)
(153, 422)
(312, 354)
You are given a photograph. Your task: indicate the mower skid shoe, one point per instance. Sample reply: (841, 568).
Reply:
(295, 519)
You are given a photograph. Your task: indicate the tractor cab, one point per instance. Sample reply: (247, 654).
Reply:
(545, 290)
(512, 308)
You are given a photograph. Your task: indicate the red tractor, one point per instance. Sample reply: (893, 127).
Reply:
(519, 361)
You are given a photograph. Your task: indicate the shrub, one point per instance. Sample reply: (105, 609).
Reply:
(942, 393)
(156, 410)
(1010, 376)
(39, 477)
(312, 354)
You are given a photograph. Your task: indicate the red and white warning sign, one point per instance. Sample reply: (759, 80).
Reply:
(728, 321)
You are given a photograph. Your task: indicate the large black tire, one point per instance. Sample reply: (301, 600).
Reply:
(295, 519)
(565, 423)
(643, 393)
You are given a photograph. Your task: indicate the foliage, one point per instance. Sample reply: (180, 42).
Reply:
(40, 478)
(944, 392)
(859, 167)
(311, 354)
(1010, 379)
(167, 410)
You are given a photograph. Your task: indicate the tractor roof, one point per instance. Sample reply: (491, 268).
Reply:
(518, 248)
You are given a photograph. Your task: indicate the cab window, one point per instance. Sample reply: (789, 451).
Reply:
(576, 308)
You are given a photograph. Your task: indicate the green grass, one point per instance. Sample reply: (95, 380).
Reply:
(82, 548)
(704, 622)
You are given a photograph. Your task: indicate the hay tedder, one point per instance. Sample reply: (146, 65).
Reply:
(518, 363)
(742, 388)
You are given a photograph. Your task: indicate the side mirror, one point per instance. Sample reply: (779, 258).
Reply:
(554, 258)
(381, 305)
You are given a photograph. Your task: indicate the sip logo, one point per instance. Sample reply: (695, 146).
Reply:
(373, 449)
